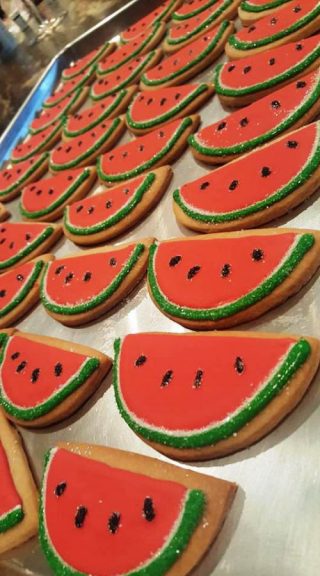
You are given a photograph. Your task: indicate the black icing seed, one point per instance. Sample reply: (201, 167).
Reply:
(35, 375)
(112, 261)
(141, 148)
(292, 143)
(79, 208)
(246, 69)
(141, 360)
(28, 237)
(244, 122)
(148, 509)
(225, 270)
(68, 149)
(233, 185)
(108, 204)
(68, 278)
(32, 189)
(126, 191)
(265, 171)
(15, 355)
(198, 379)
(297, 9)
(272, 61)
(251, 28)
(124, 154)
(221, 126)
(299, 47)
(2, 240)
(20, 277)
(90, 210)
(204, 185)
(193, 271)
(70, 177)
(257, 254)
(60, 488)
(273, 21)
(161, 134)
(239, 365)
(275, 104)
(149, 101)
(177, 96)
(80, 516)
(11, 245)
(38, 192)
(301, 84)
(230, 68)
(87, 276)
(59, 269)
(51, 191)
(2, 293)
(21, 366)
(58, 369)
(167, 378)
(163, 101)
(113, 522)
(174, 260)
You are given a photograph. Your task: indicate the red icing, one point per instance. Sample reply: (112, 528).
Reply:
(45, 192)
(144, 23)
(10, 176)
(283, 58)
(284, 162)
(179, 30)
(19, 387)
(274, 23)
(15, 236)
(138, 151)
(9, 497)
(116, 58)
(105, 204)
(179, 59)
(34, 142)
(112, 81)
(77, 290)
(148, 105)
(93, 549)
(193, 5)
(81, 120)
(208, 288)
(180, 405)
(82, 62)
(66, 88)
(49, 115)
(261, 115)
(12, 282)
(70, 151)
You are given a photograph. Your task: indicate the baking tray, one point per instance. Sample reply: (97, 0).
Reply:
(273, 526)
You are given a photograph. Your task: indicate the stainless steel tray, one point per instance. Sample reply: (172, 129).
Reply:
(273, 527)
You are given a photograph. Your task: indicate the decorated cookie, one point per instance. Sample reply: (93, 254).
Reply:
(49, 115)
(36, 143)
(69, 87)
(124, 76)
(285, 109)
(254, 189)
(18, 492)
(43, 380)
(192, 8)
(109, 107)
(81, 287)
(290, 23)
(188, 61)
(165, 518)
(221, 280)
(13, 178)
(84, 149)
(21, 242)
(19, 290)
(108, 214)
(202, 396)
(251, 10)
(142, 44)
(243, 82)
(149, 111)
(161, 13)
(87, 61)
(157, 148)
(182, 33)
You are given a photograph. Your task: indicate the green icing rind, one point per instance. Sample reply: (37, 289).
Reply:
(204, 26)
(97, 144)
(186, 122)
(119, 97)
(296, 357)
(28, 249)
(79, 85)
(38, 148)
(73, 100)
(248, 7)
(69, 192)
(23, 293)
(287, 75)
(96, 300)
(11, 519)
(304, 244)
(117, 217)
(179, 17)
(307, 19)
(192, 512)
(85, 66)
(310, 100)
(33, 168)
(304, 174)
(154, 122)
(192, 63)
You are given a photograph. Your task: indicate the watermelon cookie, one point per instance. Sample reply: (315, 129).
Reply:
(189, 61)
(182, 33)
(18, 492)
(43, 380)
(21, 242)
(292, 22)
(157, 148)
(124, 76)
(19, 290)
(87, 61)
(160, 14)
(68, 105)
(36, 143)
(142, 44)
(84, 149)
(79, 288)
(286, 109)
(198, 282)
(13, 178)
(251, 10)
(65, 89)
(46, 199)
(107, 108)
(206, 395)
(144, 516)
(254, 189)
(242, 82)
(115, 210)
(149, 111)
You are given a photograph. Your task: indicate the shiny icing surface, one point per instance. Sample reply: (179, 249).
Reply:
(17, 239)
(10, 501)
(186, 28)
(150, 105)
(36, 142)
(125, 75)
(144, 23)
